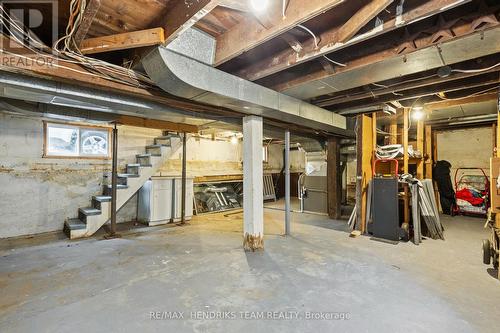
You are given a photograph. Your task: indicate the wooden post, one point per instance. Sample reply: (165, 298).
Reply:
(494, 138)
(498, 133)
(428, 152)
(364, 153)
(334, 182)
(393, 130)
(420, 148)
(405, 139)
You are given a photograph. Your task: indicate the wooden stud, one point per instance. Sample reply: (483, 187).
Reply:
(127, 40)
(420, 148)
(364, 172)
(393, 130)
(428, 152)
(88, 17)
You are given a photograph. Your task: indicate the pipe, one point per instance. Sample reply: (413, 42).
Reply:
(300, 192)
(114, 181)
(287, 183)
(183, 181)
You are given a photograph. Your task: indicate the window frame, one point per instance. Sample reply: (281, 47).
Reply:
(45, 154)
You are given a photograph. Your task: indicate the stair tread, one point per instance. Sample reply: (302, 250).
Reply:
(143, 155)
(133, 165)
(128, 175)
(102, 198)
(146, 165)
(153, 146)
(76, 224)
(118, 186)
(90, 211)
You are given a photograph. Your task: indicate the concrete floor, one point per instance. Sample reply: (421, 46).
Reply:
(100, 285)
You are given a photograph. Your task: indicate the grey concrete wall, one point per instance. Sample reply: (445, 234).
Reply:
(38, 194)
(471, 147)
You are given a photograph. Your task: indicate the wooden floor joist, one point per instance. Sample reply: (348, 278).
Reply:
(156, 124)
(128, 40)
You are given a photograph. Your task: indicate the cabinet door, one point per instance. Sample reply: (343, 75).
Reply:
(162, 205)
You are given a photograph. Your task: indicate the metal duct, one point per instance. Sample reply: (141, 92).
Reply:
(39, 90)
(184, 69)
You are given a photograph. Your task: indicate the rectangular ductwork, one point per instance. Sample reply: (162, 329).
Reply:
(184, 69)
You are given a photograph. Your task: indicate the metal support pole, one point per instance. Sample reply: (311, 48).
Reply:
(114, 181)
(183, 191)
(287, 183)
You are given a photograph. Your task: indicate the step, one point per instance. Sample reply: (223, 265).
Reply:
(143, 155)
(108, 188)
(128, 175)
(87, 211)
(75, 224)
(97, 200)
(133, 168)
(163, 141)
(154, 150)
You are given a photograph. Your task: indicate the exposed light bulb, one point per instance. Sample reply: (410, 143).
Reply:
(417, 113)
(259, 5)
(234, 140)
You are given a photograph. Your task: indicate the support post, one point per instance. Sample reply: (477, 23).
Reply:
(114, 181)
(334, 183)
(287, 183)
(420, 147)
(253, 184)
(406, 121)
(183, 180)
(428, 152)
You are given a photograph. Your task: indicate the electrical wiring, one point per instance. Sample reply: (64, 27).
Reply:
(100, 68)
(475, 70)
(316, 45)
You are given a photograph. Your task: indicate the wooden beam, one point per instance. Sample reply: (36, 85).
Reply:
(127, 40)
(249, 33)
(156, 124)
(461, 101)
(420, 148)
(364, 172)
(88, 17)
(360, 19)
(334, 183)
(329, 42)
(184, 15)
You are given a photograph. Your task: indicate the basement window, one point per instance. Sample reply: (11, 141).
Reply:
(68, 140)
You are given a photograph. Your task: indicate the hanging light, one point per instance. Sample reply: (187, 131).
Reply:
(417, 112)
(259, 5)
(234, 140)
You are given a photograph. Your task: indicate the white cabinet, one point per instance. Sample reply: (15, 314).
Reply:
(155, 202)
(159, 200)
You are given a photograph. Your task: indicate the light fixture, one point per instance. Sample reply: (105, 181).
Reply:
(234, 140)
(417, 112)
(259, 5)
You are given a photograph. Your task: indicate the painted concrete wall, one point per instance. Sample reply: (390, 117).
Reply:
(38, 194)
(471, 147)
